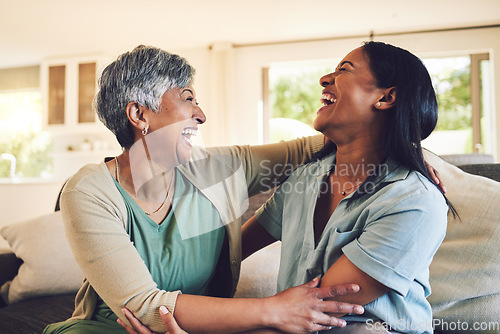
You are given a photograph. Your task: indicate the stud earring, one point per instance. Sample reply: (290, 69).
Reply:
(378, 104)
(145, 130)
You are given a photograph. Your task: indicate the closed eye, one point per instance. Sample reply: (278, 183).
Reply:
(191, 99)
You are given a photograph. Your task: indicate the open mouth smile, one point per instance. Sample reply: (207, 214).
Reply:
(328, 99)
(188, 134)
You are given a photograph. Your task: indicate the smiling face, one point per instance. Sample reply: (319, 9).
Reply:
(348, 98)
(173, 127)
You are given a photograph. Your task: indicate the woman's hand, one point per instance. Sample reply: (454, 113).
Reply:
(435, 176)
(302, 308)
(138, 328)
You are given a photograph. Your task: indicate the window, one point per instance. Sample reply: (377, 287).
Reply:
(23, 144)
(294, 95)
(24, 148)
(462, 87)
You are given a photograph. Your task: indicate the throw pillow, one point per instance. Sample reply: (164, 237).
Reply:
(259, 273)
(48, 266)
(465, 270)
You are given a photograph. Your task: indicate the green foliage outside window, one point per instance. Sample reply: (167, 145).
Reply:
(453, 95)
(297, 96)
(21, 135)
(33, 155)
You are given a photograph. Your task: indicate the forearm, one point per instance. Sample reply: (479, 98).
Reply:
(269, 165)
(201, 314)
(254, 237)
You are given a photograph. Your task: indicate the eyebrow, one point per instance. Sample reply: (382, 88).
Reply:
(187, 90)
(345, 62)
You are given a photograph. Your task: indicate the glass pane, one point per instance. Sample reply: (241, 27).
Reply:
(57, 86)
(295, 95)
(451, 80)
(21, 135)
(86, 91)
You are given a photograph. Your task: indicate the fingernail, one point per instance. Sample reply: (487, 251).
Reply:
(359, 309)
(163, 310)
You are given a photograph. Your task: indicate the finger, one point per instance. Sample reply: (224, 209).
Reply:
(327, 322)
(332, 306)
(169, 321)
(135, 323)
(124, 325)
(435, 176)
(314, 283)
(336, 290)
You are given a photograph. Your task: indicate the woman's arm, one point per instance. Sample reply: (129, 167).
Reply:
(284, 312)
(253, 238)
(393, 248)
(296, 310)
(266, 166)
(343, 271)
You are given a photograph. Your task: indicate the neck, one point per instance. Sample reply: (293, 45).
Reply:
(144, 178)
(357, 160)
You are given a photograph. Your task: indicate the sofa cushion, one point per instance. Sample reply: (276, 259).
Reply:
(465, 271)
(33, 315)
(48, 266)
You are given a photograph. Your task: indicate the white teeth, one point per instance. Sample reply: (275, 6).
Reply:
(188, 133)
(328, 97)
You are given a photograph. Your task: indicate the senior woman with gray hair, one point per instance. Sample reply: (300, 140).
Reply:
(164, 217)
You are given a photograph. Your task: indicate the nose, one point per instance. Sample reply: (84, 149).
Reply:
(199, 116)
(327, 80)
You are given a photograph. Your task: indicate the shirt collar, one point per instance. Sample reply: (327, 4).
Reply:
(390, 171)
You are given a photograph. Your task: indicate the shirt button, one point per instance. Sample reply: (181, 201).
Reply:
(233, 263)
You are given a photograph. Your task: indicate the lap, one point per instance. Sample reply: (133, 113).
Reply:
(84, 327)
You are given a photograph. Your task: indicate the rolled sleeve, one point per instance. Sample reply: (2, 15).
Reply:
(376, 269)
(400, 244)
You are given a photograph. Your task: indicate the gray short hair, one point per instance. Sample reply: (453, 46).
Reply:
(142, 75)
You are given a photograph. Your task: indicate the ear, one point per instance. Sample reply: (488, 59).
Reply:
(388, 100)
(135, 115)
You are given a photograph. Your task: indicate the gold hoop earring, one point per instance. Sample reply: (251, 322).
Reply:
(145, 130)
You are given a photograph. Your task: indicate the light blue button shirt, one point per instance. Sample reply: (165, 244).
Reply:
(391, 234)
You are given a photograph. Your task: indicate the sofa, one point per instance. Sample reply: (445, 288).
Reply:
(39, 279)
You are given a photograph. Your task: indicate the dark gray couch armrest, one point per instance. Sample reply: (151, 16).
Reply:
(491, 171)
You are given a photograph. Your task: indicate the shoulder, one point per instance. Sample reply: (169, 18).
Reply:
(411, 193)
(90, 191)
(90, 177)
(92, 183)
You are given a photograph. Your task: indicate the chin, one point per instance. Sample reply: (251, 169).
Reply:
(317, 126)
(184, 155)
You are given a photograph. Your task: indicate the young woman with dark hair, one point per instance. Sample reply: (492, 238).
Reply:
(367, 211)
